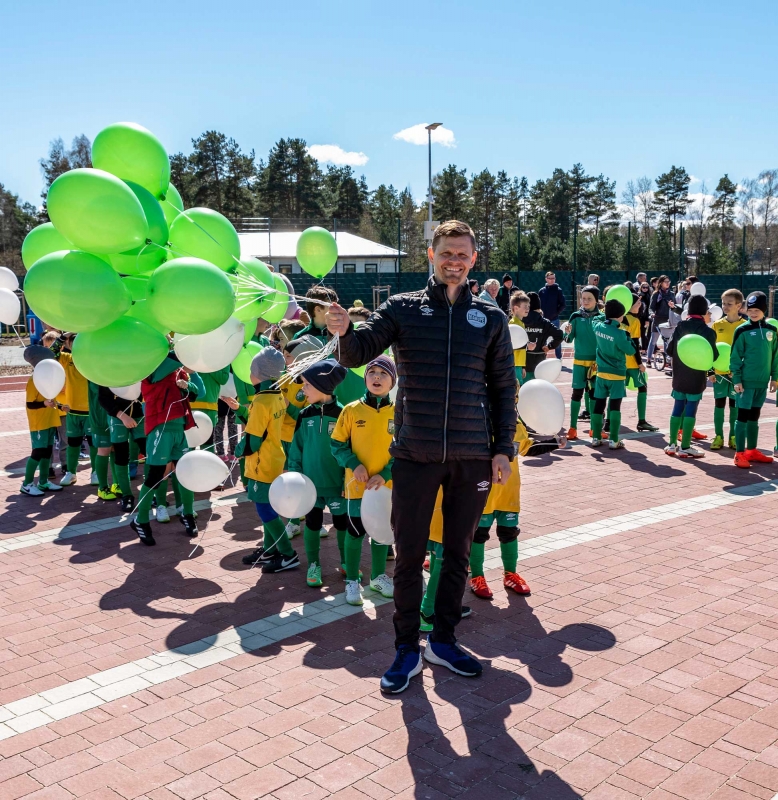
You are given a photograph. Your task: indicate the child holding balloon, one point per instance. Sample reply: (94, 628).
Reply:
(519, 310)
(636, 370)
(43, 417)
(360, 444)
(580, 332)
(723, 387)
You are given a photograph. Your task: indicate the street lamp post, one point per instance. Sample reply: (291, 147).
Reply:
(428, 232)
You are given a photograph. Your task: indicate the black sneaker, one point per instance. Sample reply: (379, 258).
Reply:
(257, 556)
(190, 526)
(647, 426)
(128, 503)
(584, 415)
(143, 529)
(466, 611)
(280, 563)
(154, 502)
(606, 426)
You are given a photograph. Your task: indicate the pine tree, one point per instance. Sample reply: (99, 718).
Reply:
(724, 205)
(450, 194)
(60, 160)
(290, 183)
(671, 197)
(384, 210)
(485, 203)
(17, 219)
(601, 203)
(580, 194)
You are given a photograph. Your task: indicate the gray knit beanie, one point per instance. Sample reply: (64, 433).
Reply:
(267, 365)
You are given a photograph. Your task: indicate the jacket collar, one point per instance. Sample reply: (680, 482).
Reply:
(437, 291)
(376, 402)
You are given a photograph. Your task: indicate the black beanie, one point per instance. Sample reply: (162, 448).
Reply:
(757, 300)
(534, 301)
(592, 290)
(507, 277)
(325, 375)
(698, 306)
(614, 309)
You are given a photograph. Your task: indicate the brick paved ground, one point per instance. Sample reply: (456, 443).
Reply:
(644, 665)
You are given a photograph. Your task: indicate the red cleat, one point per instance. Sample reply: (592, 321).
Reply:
(741, 461)
(480, 588)
(572, 434)
(758, 457)
(514, 581)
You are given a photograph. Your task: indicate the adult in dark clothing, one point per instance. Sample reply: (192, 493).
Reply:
(644, 293)
(455, 420)
(475, 288)
(552, 302)
(543, 335)
(504, 295)
(662, 303)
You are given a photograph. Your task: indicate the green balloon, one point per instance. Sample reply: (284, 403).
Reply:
(241, 366)
(634, 385)
(136, 286)
(254, 289)
(275, 311)
(75, 291)
(721, 364)
(360, 370)
(622, 294)
(133, 153)
(203, 233)
(695, 351)
(249, 329)
(96, 211)
(317, 251)
(41, 241)
(122, 353)
(189, 295)
(142, 311)
(172, 205)
(150, 255)
(770, 321)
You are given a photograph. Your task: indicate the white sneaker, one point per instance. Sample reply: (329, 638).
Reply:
(671, 450)
(616, 445)
(292, 529)
(162, 514)
(353, 593)
(31, 489)
(384, 585)
(324, 533)
(68, 479)
(94, 480)
(596, 443)
(49, 486)
(690, 452)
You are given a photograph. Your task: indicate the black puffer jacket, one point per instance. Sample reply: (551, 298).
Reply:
(686, 379)
(456, 396)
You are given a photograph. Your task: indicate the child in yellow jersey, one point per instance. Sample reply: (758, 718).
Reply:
(723, 388)
(264, 461)
(360, 444)
(519, 310)
(43, 417)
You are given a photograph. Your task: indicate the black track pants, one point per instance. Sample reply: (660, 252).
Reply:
(466, 487)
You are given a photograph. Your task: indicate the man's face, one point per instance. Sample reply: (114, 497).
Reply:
(641, 277)
(550, 279)
(452, 259)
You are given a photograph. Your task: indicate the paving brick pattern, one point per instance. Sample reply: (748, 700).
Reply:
(644, 665)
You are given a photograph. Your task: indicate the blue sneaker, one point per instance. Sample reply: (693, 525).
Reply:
(133, 471)
(407, 663)
(451, 656)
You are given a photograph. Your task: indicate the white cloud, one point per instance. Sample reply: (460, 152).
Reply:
(337, 155)
(694, 179)
(417, 134)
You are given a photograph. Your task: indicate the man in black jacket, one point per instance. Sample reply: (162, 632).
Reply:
(504, 295)
(455, 420)
(552, 302)
(542, 333)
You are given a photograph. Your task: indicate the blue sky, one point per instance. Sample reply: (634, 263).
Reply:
(626, 88)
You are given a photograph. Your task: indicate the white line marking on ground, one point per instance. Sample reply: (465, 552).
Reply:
(4, 434)
(72, 698)
(13, 408)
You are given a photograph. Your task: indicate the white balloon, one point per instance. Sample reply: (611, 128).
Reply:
(716, 313)
(202, 431)
(131, 392)
(549, 370)
(541, 406)
(49, 378)
(685, 313)
(393, 393)
(8, 279)
(292, 495)
(229, 390)
(201, 471)
(519, 336)
(698, 289)
(377, 514)
(208, 352)
(10, 307)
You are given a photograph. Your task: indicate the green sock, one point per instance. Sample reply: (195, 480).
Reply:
(740, 436)
(312, 542)
(144, 503)
(675, 426)
(101, 468)
(575, 410)
(718, 421)
(176, 489)
(122, 473)
(428, 602)
(187, 500)
(43, 475)
(342, 545)
(92, 457)
(161, 493)
(378, 554)
(477, 552)
(596, 426)
(687, 427)
(29, 470)
(72, 458)
(732, 419)
(588, 402)
(275, 530)
(642, 405)
(353, 555)
(615, 419)
(509, 551)
(752, 434)
(133, 451)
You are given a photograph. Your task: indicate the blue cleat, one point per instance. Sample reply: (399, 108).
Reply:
(451, 656)
(407, 663)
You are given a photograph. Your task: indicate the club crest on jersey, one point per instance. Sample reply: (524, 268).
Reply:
(390, 427)
(476, 318)
(300, 396)
(426, 311)
(330, 428)
(770, 335)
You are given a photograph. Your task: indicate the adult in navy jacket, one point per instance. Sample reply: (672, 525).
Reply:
(552, 303)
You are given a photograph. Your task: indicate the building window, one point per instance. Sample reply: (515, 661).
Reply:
(349, 268)
(371, 267)
(285, 269)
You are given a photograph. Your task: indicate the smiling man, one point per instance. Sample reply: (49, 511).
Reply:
(455, 420)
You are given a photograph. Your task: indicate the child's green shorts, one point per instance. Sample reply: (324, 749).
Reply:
(690, 398)
(336, 505)
(604, 388)
(166, 443)
(77, 425)
(505, 519)
(120, 433)
(580, 376)
(637, 377)
(258, 492)
(723, 387)
(751, 398)
(43, 439)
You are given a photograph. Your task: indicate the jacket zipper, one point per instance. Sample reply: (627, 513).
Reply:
(448, 382)
(486, 428)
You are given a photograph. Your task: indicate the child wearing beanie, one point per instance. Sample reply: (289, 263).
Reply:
(264, 458)
(311, 454)
(688, 384)
(360, 444)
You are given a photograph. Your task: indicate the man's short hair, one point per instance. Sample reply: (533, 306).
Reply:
(48, 338)
(289, 327)
(734, 294)
(319, 293)
(551, 274)
(452, 227)
(519, 297)
(359, 311)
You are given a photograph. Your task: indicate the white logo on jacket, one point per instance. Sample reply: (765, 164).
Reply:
(476, 318)
(426, 311)
(483, 486)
